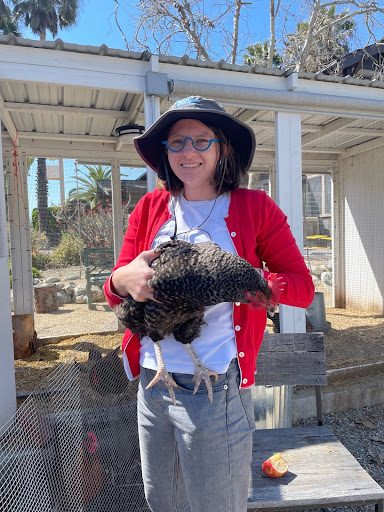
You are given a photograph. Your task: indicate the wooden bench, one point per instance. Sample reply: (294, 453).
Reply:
(98, 263)
(322, 472)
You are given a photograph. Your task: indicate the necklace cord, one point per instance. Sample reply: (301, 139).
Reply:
(175, 233)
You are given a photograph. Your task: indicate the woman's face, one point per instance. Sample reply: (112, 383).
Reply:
(194, 168)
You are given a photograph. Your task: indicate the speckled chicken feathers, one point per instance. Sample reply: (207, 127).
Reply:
(188, 278)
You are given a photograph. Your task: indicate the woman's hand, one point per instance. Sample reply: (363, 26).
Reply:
(132, 279)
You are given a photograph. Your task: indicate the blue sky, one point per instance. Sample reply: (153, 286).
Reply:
(96, 23)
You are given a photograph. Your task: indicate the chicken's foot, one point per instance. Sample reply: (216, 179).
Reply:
(162, 374)
(201, 373)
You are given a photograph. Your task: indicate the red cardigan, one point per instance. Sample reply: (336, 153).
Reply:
(259, 232)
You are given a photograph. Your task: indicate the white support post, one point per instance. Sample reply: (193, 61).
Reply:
(7, 367)
(288, 188)
(338, 240)
(289, 196)
(21, 252)
(117, 211)
(151, 113)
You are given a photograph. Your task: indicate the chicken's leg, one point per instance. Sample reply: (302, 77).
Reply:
(162, 374)
(201, 373)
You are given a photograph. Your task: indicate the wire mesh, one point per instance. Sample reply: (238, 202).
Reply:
(73, 445)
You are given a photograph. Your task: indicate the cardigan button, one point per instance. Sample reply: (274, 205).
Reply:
(237, 303)
(233, 234)
(237, 328)
(245, 381)
(241, 354)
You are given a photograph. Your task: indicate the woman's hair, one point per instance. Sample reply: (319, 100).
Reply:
(227, 173)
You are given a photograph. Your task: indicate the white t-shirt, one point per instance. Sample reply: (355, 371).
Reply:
(216, 345)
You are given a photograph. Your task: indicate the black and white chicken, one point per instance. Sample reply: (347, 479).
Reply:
(188, 278)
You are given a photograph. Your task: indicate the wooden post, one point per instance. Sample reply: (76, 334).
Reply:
(151, 113)
(117, 210)
(23, 343)
(7, 368)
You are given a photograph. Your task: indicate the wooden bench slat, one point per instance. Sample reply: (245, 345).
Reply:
(288, 358)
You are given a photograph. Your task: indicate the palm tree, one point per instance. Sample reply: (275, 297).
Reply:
(8, 21)
(88, 190)
(43, 15)
(40, 16)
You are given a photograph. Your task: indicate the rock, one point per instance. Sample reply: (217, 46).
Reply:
(97, 294)
(81, 299)
(326, 278)
(71, 277)
(60, 285)
(80, 290)
(60, 297)
(51, 280)
(70, 291)
(45, 298)
(63, 297)
(329, 264)
(36, 281)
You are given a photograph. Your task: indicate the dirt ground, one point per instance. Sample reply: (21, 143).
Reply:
(355, 338)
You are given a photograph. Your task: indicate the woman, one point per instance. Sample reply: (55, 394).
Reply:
(195, 455)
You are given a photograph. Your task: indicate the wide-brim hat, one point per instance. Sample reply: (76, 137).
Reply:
(241, 136)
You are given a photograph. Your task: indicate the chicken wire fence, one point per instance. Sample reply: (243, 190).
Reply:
(73, 445)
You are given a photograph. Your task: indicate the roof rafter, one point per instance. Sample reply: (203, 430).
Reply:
(7, 120)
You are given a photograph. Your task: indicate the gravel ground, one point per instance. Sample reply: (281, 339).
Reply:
(362, 432)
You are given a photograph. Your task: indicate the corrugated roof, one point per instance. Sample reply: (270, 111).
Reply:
(80, 122)
(184, 60)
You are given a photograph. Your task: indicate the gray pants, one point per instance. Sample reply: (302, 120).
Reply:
(196, 456)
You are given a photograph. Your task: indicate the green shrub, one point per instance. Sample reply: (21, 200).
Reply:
(41, 260)
(67, 253)
(35, 273)
(39, 240)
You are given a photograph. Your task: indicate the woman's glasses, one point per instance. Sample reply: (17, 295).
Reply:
(177, 144)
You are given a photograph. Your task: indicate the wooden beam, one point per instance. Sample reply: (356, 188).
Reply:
(62, 68)
(39, 108)
(365, 146)
(96, 139)
(7, 120)
(325, 130)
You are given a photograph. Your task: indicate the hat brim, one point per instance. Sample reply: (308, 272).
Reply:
(241, 136)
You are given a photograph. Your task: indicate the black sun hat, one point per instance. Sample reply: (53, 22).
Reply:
(241, 136)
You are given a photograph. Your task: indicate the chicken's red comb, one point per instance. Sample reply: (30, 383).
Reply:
(258, 299)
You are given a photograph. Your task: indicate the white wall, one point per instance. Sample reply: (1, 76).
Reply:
(363, 177)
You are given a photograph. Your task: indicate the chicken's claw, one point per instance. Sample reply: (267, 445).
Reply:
(163, 375)
(205, 374)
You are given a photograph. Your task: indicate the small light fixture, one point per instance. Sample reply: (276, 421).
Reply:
(129, 129)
